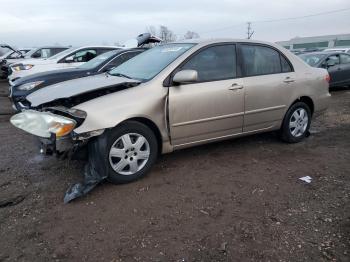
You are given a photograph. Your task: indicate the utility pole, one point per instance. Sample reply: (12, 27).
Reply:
(249, 30)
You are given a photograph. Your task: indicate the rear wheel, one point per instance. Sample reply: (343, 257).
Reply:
(132, 150)
(296, 123)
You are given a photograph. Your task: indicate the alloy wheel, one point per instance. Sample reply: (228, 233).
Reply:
(129, 154)
(298, 122)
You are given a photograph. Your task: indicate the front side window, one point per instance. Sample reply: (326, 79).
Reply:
(84, 55)
(344, 59)
(62, 54)
(260, 60)
(150, 63)
(312, 59)
(334, 58)
(214, 63)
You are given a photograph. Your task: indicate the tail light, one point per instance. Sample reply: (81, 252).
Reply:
(327, 78)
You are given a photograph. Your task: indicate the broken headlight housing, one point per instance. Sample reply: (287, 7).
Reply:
(43, 124)
(29, 86)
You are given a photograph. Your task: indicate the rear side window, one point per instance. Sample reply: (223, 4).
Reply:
(262, 60)
(45, 53)
(285, 65)
(214, 63)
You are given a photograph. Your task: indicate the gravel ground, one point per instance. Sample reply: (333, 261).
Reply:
(239, 200)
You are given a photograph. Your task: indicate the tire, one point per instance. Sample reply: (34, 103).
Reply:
(299, 114)
(131, 153)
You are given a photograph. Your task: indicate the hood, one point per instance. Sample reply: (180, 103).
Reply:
(54, 74)
(35, 62)
(11, 48)
(75, 87)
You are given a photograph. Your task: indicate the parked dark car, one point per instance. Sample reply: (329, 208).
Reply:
(102, 63)
(337, 64)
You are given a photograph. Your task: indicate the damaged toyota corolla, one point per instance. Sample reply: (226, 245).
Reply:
(174, 96)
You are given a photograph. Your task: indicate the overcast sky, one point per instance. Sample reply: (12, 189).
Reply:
(80, 22)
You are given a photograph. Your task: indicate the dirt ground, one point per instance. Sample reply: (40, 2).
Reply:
(239, 200)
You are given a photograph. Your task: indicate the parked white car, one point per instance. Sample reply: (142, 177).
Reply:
(18, 56)
(69, 58)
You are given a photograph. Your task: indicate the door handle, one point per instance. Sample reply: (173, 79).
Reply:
(288, 80)
(235, 86)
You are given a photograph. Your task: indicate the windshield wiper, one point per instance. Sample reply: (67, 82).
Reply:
(120, 75)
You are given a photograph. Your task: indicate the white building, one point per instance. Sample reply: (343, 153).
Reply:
(316, 42)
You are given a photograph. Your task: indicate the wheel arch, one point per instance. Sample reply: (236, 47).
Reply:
(150, 124)
(307, 100)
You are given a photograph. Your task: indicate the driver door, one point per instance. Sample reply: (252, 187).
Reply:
(211, 108)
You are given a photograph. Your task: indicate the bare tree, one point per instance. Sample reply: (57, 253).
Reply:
(166, 35)
(191, 35)
(163, 33)
(152, 30)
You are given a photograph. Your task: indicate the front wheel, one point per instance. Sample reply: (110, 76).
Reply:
(296, 123)
(132, 150)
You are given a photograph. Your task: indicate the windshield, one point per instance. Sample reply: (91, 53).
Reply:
(312, 59)
(98, 60)
(148, 64)
(63, 53)
(29, 54)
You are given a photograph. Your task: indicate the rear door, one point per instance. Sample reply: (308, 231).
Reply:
(268, 81)
(213, 106)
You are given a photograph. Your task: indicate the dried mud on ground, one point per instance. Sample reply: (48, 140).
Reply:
(239, 200)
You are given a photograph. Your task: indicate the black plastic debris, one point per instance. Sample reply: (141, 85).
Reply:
(95, 171)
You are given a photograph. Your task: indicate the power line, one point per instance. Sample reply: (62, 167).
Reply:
(277, 20)
(304, 16)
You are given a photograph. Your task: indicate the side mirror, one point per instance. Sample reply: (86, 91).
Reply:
(185, 76)
(330, 63)
(69, 59)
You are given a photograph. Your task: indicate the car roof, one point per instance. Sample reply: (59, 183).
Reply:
(222, 40)
(49, 46)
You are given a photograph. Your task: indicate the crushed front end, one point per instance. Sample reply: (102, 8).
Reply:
(54, 128)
